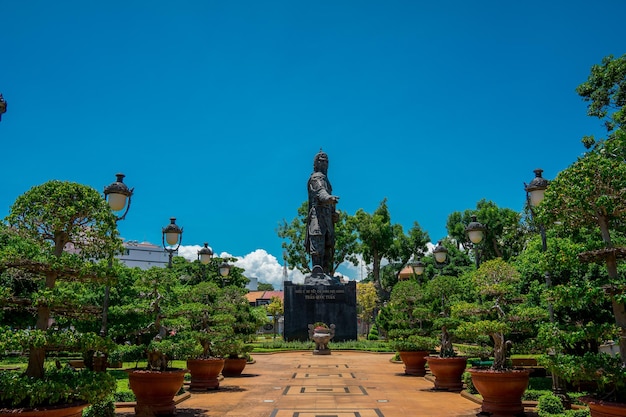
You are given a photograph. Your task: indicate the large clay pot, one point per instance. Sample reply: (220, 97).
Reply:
(234, 367)
(501, 390)
(205, 373)
(73, 410)
(414, 362)
(448, 372)
(599, 408)
(155, 390)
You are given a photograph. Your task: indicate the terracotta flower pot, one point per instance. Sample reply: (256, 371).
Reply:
(448, 372)
(501, 390)
(414, 362)
(599, 408)
(233, 367)
(205, 373)
(155, 390)
(72, 410)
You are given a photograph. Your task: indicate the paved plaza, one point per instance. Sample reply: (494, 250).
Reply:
(343, 384)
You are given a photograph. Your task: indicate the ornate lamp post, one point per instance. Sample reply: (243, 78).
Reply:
(224, 269)
(204, 254)
(119, 196)
(441, 255)
(475, 232)
(173, 236)
(418, 268)
(535, 192)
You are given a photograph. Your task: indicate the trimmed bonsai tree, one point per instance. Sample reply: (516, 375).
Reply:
(500, 310)
(248, 320)
(406, 319)
(588, 196)
(205, 321)
(153, 306)
(50, 244)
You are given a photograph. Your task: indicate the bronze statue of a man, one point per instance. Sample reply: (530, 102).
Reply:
(320, 230)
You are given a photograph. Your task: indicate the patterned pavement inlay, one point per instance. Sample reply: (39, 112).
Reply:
(322, 375)
(363, 412)
(317, 389)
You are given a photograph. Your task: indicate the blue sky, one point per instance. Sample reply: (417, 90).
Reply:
(214, 110)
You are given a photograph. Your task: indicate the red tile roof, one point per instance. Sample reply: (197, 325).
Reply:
(252, 296)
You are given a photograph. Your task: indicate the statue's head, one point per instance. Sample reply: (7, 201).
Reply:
(320, 162)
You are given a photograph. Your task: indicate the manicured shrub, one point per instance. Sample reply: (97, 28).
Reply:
(373, 334)
(469, 385)
(105, 408)
(549, 405)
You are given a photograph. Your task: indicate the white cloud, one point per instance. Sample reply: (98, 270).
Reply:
(189, 252)
(258, 264)
(266, 268)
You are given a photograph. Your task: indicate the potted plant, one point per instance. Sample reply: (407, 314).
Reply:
(208, 328)
(247, 320)
(153, 307)
(447, 367)
(413, 350)
(49, 245)
(603, 375)
(495, 315)
(408, 323)
(156, 385)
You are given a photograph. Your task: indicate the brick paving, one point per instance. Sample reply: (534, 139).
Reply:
(343, 384)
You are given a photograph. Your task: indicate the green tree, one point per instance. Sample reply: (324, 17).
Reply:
(380, 239)
(501, 310)
(202, 316)
(263, 286)
(406, 314)
(605, 90)
(504, 235)
(367, 301)
(69, 225)
(376, 238)
(276, 309)
(293, 233)
(405, 246)
(192, 272)
(589, 194)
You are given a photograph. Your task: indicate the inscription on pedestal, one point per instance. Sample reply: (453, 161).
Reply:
(331, 304)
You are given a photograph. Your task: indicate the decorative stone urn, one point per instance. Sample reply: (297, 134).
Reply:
(321, 335)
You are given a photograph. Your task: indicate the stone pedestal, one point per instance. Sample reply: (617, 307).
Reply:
(306, 304)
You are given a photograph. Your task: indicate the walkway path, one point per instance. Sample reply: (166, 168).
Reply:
(343, 384)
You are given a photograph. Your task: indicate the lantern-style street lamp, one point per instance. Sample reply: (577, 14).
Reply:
(118, 195)
(476, 233)
(224, 270)
(172, 238)
(535, 192)
(440, 252)
(418, 268)
(204, 254)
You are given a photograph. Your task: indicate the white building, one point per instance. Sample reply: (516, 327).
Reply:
(144, 255)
